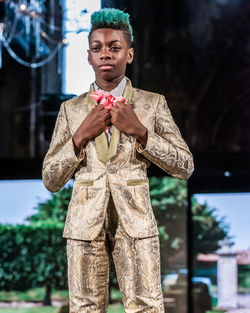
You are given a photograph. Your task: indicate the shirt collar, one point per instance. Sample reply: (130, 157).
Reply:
(117, 91)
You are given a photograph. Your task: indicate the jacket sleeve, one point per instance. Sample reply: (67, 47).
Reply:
(60, 161)
(165, 146)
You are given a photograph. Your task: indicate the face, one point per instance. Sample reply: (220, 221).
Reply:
(109, 54)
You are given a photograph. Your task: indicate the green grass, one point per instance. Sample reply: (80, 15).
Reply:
(216, 311)
(115, 308)
(46, 309)
(214, 302)
(115, 295)
(36, 294)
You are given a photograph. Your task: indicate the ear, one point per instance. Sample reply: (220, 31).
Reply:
(130, 55)
(89, 58)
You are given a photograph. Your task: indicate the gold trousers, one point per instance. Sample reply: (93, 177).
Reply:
(137, 264)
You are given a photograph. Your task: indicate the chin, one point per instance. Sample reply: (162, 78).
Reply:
(108, 76)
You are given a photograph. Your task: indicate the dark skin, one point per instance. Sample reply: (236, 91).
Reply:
(109, 55)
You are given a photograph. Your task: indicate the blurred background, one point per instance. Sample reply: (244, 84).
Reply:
(196, 53)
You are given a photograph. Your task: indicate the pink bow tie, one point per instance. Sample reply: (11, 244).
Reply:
(107, 100)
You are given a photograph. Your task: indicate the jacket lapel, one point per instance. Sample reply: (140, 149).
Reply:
(112, 149)
(105, 152)
(101, 142)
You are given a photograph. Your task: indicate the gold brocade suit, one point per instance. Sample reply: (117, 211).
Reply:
(110, 210)
(119, 169)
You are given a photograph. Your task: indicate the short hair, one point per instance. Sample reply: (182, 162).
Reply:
(114, 19)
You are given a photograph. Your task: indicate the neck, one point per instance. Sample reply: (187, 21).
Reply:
(108, 85)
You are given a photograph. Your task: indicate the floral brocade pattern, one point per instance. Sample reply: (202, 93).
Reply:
(119, 169)
(110, 210)
(137, 263)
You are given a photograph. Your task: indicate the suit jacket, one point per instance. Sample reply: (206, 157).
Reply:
(118, 170)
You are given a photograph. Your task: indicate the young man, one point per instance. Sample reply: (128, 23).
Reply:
(110, 209)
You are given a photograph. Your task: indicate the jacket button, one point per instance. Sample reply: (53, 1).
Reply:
(111, 169)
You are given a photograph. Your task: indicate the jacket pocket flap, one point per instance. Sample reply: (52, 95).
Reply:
(84, 182)
(135, 182)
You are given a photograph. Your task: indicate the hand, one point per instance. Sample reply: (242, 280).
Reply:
(92, 126)
(125, 119)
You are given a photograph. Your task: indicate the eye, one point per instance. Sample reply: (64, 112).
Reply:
(115, 48)
(95, 49)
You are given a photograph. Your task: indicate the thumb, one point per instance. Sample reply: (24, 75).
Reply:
(119, 99)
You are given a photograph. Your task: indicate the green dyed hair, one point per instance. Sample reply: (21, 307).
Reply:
(114, 19)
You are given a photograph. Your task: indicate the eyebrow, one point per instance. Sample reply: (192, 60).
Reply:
(98, 41)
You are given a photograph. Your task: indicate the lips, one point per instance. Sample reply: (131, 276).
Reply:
(106, 66)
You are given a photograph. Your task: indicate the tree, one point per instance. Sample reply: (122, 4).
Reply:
(208, 228)
(51, 257)
(169, 202)
(54, 209)
(32, 255)
(17, 270)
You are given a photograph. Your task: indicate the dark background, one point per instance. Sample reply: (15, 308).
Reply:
(195, 52)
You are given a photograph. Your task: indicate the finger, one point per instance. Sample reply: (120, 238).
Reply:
(119, 104)
(101, 107)
(108, 121)
(113, 121)
(120, 99)
(95, 106)
(115, 108)
(106, 117)
(106, 112)
(126, 103)
(122, 105)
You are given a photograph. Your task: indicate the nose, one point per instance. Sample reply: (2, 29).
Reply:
(105, 55)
